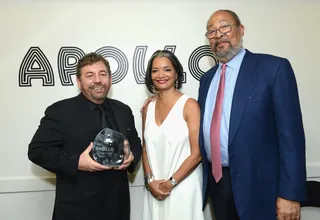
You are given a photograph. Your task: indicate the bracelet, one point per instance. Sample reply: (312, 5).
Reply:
(148, 178)
(173, 182)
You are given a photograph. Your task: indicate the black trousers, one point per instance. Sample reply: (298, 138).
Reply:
(222, 196)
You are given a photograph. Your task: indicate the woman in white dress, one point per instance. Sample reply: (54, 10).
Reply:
(171, 155)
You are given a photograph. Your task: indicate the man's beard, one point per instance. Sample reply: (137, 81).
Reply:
(98, 97)
(229, 53)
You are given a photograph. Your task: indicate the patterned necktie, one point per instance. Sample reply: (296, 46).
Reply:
(215, 129)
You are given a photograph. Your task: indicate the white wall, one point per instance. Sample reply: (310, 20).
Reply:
(285, 28)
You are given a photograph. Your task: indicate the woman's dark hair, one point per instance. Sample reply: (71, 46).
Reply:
(175, 63)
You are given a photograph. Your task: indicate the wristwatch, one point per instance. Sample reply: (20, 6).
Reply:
(148, 179)
(173, 182)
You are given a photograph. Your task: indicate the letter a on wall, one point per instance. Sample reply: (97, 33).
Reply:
(35, 65)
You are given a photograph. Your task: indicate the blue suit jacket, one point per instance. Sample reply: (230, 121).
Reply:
(266, 138)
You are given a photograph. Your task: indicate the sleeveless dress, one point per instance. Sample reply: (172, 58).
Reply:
(167, 147)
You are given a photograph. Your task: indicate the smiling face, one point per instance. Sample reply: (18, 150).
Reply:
(94, 82)
(163, 74)
(225, 46)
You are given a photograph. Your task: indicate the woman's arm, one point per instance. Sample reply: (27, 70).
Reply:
(151, 184)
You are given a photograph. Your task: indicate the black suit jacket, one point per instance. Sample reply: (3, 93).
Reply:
(64, 133)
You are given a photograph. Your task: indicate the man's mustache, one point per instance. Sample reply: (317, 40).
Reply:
(220, 42)
(96, 85)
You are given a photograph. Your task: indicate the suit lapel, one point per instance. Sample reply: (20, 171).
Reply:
(242, 91)
(118, 122)
(91, 119)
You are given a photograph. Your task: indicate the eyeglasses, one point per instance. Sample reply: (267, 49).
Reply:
(224, 29)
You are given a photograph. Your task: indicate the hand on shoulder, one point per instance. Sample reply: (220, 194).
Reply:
(146, 103)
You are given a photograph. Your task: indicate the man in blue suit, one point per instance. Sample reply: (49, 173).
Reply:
(259, 169)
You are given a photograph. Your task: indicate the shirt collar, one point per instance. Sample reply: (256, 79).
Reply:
(104, 105)
(236, 61)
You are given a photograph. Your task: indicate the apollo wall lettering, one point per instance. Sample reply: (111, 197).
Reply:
(36, 66)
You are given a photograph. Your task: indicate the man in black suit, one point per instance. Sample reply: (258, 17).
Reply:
(86, 189)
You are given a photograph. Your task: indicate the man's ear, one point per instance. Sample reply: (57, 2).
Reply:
(78, 83)
(241, 27)
(110, 78)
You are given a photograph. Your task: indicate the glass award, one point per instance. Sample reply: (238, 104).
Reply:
(110, 148)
